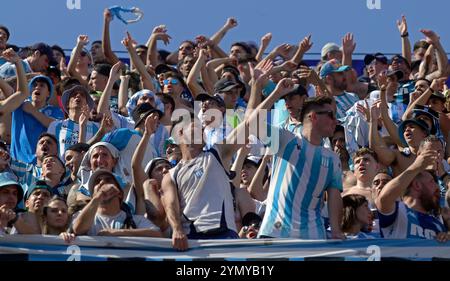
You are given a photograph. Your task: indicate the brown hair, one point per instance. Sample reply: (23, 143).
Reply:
(363, 151)
(351, 203)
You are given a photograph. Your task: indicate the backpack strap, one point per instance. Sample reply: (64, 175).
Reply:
(128, 223)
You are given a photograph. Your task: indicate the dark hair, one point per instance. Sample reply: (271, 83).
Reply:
(363, 151)
(60, 161)
(96, 42)
(163, 54)
(424, 79)
(312, 104)
(59, 49)
(103, 69)
(45, 212)
(65, 84)
(79, 147)
(167, 99)
(45, 134)
(6, 30)
(141, 47)
(244, 46)
(421, 44)
(3, 145)
(350, 204)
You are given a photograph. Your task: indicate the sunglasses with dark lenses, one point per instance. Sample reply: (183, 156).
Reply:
(330, 113)
(171, 81)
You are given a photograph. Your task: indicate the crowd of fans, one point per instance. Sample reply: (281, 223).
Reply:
(167, 147)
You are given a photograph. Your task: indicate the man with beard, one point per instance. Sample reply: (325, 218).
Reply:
(413, 217)
(333, 76)
(294, 103)
(103, 215)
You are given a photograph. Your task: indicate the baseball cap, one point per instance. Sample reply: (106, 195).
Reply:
(217, 98)
(8, 179)
(77, 88)
(45, 49)
(224, 85)
(418, 122)
(332, 66)
(253, 159)
(377, 56)
(142, 111)
(329, 47)
(41, 78)
(430, 113)
(151, 165)
(40, 184)
(163, 68)
(169, 141)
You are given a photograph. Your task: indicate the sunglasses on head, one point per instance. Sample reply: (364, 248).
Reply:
(330, 113)
(171, 81)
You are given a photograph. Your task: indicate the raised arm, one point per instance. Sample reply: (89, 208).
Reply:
(194, 74)
(12, 102)
(137, 62)
(303, 47)
(397, 187)
(390, 126)
(260, 76)
(385, 155)
(158, 33)
(238, 163)
(172, 207)
(41, 117)
(82, 41)
(423, 98)
(123, 94)
(114, 74)
(348, 47)
(265, 41)
(406, 45)
(256, 187)
(139, 176)
(441, 55)
(218, 36)
(235, 139)
(85, 219)
(106, 41)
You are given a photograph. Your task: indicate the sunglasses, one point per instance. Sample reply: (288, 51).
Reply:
(171, 81)
(330, 113)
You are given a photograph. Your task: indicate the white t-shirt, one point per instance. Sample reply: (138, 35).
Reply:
(116, 222)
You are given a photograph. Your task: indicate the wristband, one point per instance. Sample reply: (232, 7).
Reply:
(405, 35)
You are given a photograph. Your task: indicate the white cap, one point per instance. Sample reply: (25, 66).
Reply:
(329, 47)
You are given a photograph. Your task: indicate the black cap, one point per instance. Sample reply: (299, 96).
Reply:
(142, 111)
(45, 49)
(163, 68)
(204, 97)
(438, 95)
(377, 56)
(224, 85)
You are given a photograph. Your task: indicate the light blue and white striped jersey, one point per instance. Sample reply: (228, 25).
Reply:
(344, 102)
(67, 132)
(405, 222)
(301, 172)
(26, 173)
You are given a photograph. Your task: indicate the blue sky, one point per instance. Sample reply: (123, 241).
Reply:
(289, 21)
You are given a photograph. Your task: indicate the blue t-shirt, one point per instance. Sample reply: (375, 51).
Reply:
(25, 132)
